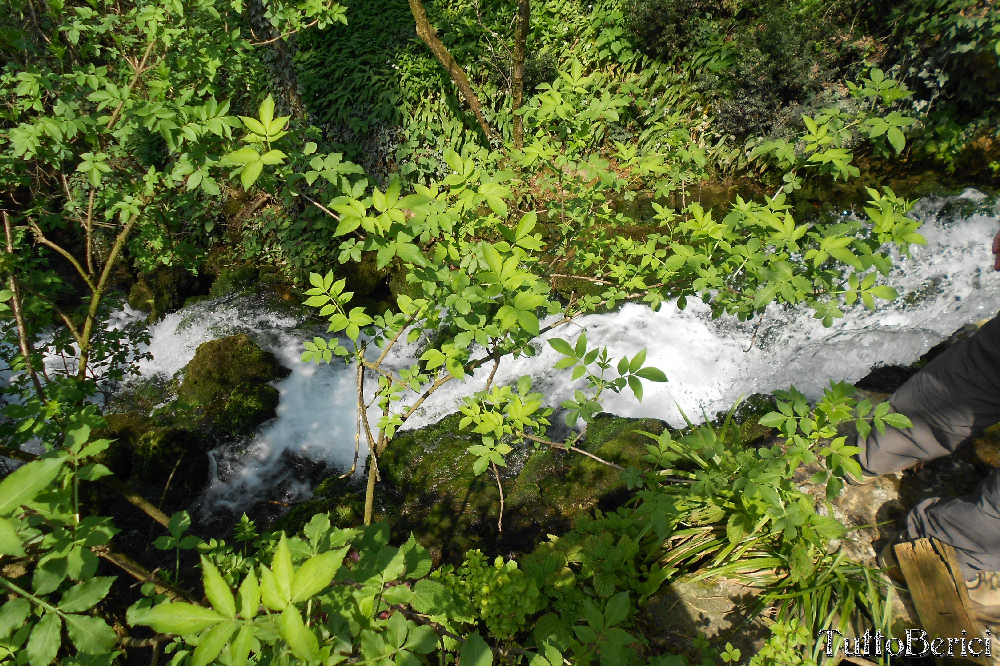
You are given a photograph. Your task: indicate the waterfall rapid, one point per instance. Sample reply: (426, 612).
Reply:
(709, 363)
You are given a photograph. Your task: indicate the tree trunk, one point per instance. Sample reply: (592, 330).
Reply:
(517, 84)
(428, 35)
(278, 58)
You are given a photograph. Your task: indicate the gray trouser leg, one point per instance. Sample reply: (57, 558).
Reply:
(951, 399)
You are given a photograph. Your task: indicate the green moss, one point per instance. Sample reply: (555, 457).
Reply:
(247, 407)
(745, 423)
(235, 278)
(163, 290)
(569, 482)
(124, 429)
(429, 487)
(343, 499)
(219, 366)
(175, 454)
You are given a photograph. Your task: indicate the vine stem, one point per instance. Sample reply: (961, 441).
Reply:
(28, 595)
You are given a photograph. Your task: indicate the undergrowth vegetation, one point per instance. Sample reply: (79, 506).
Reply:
(161, 133)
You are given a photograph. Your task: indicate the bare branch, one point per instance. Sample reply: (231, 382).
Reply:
(111, 482)
(567, 447)
(41, 238)
(139, 70)
(22, 328)
(496, 475)
(284, 35)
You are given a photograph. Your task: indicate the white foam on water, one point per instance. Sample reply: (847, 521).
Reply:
(709, 363)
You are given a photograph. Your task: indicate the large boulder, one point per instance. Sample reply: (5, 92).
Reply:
(228, 378)
(428, 486)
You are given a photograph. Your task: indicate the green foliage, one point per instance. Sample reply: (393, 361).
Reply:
(40, 523)
(127, 109)
(502, 595)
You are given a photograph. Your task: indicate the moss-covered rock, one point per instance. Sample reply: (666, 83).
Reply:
(235, 278)
(220, 366)
(245, 408)
(165, 289)
(565, 483)
(342, 498)
(148, 454)
(124, 429)
(429, 487)
(160, 450)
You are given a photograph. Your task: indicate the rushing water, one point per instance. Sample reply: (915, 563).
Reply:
(944, 285)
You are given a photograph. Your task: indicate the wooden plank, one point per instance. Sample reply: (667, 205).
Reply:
(939, 595)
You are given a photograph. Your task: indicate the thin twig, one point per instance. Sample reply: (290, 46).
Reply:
(139, 70)
(567, 447)
(141, 573)
(320, 206)
(282, 36)
(496, 475)
(166, 487)
(88, 226)
(361, 411)
(756, 327)
(41, 238)
(493, 372)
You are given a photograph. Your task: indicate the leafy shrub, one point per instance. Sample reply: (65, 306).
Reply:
(665, 28)
(781, 58)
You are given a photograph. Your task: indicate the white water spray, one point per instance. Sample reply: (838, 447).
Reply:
(944, 285)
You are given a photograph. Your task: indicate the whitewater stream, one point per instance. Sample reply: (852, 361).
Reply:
(944, 285)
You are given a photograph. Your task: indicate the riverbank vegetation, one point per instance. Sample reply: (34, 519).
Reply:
(467, 177)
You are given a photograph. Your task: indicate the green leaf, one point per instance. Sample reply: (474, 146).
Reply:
(273, 157)
(211, 643)
(896, 138)
(45, 640)
(217, 590)
(316, 573)
(897, 420)
(249, 596)
(10, 543)
(562, 347)
(651, 374)
(177, 618)
(240, 648)
(884, 292)
(27, 481)
(430, 596)
(300, 639)
(421, 640)
(84, 595)
(241, 156)
(617, 609)
(12, 615)
(266, 111)
(476, 652)
(90, 634)
(284, 572)
(250, 174)
(528, 321)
